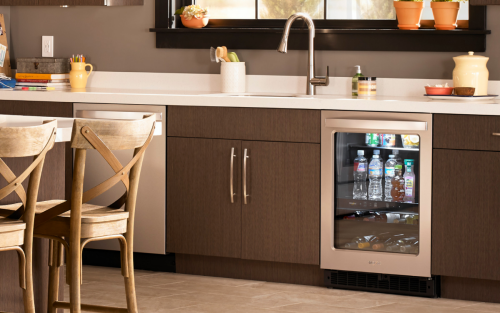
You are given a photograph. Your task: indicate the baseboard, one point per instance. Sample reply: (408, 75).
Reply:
(301, 274)
(142, 261)
(470, 289)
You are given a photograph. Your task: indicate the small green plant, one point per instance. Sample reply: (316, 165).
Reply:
(192, 11)
(411, 0)
(449, 0)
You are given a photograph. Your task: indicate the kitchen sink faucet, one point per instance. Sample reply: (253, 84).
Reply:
(312, 80)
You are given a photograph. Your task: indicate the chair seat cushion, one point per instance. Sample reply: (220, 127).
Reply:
(11, 232)
(8, 225)
(97, 220)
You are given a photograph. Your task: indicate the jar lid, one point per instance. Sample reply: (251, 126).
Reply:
(367, 78)
(471, 56)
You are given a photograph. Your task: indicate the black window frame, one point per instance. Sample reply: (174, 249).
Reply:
(356, 35)
(276, 23)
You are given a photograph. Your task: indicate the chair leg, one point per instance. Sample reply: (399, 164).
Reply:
(26, 259)
(74, 287)
(130, 280)
(55, 262)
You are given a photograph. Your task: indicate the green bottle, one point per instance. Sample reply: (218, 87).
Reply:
(355, 80)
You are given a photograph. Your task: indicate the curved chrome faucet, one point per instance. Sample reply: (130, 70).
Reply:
(312, 80)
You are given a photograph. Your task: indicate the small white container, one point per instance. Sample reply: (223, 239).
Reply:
(232, 76)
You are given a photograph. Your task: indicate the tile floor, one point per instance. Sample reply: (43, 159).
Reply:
(172, 293)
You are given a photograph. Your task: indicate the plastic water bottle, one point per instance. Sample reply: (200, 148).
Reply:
(375, 175)
(389, 174)
(397, 157)
(375, 152)
(360, 169)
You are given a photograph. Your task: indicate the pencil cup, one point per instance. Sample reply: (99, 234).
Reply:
(78, 75)
(233, 76)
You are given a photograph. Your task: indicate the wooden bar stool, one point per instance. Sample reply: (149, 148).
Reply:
(75, 223)
(16, 228)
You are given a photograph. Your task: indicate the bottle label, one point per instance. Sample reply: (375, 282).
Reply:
(409, 187)
(389, 171)
(359, 167)
(388, 140)
(375, 172)
(373, 139)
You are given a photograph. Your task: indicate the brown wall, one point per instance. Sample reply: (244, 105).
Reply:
(117, 39)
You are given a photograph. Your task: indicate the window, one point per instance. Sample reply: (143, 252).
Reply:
(318, 9)
(352, 25)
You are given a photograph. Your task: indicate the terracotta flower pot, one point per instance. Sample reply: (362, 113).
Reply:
(409, 14)
(195, 22)
(445, 14)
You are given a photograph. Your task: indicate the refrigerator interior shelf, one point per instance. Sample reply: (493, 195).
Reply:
(347, 211)
(382, 148)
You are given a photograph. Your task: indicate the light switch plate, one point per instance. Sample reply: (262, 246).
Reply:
(48, 46)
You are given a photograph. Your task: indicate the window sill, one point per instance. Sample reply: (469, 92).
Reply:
(459, 40)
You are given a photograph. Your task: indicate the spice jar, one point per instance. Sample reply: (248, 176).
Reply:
(367, 86)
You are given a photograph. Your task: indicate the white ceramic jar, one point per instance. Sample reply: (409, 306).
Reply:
(471, 71)
(233, 77)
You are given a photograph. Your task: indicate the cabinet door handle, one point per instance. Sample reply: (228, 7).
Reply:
(231, 176)
(496, 134)
(245, 157)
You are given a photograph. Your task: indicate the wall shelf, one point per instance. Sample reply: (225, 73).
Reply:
(459, 40)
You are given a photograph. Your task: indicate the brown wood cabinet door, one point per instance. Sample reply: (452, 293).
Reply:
(466, 214)
(84, 2)
(71, 2)
(245, 123)
(281, 219)
(19, 2)
(200, 216)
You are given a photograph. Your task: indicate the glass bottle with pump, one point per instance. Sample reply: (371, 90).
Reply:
(355, 80)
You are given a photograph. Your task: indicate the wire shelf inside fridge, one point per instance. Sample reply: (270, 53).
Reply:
(355, 146)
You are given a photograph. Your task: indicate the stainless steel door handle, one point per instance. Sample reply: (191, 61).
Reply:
(245, 157)
(375, 124)
(231, 176)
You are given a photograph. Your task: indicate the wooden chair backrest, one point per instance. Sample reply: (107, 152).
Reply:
(104, 136)
(115, 134)
(16, 142)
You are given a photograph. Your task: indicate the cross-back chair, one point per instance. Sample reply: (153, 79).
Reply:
(74, 223)
(16, 228)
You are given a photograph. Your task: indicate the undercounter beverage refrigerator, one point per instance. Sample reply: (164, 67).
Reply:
(376, 176)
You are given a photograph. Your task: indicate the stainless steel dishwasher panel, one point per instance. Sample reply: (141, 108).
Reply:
(150, 218)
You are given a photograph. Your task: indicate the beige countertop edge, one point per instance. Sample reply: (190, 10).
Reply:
(64, 124)
(321, 102)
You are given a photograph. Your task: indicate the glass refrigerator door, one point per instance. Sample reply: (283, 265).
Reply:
(376, 196)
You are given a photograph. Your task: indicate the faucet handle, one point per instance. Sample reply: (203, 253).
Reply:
(322, 81)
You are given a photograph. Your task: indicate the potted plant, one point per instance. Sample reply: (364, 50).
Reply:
(445, 13)
(409, 13)
(193, 16)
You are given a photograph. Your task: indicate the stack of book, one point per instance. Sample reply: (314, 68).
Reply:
(57, 81)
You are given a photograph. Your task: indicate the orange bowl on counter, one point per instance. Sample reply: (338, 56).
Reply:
(438, 91)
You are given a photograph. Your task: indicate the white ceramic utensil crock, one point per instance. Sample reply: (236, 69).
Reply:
(233, 77)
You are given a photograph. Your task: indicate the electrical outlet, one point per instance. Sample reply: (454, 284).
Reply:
(48, 46)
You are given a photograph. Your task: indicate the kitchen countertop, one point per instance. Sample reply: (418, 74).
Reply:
(199, 98)
(64, 124)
